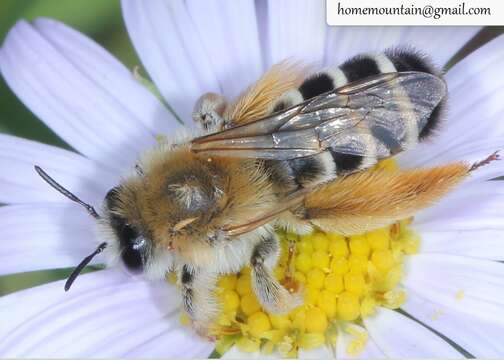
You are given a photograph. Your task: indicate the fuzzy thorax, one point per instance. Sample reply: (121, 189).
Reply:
(180, 200)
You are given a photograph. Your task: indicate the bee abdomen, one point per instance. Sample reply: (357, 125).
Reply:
(412, 60)
(323, 167)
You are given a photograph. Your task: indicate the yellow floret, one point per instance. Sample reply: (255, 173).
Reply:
(279, 273)
(358, 263)
(243, 285)
(388, 165)
(299, 319)
(258, 323)
(338, 247)
(320, 260)
(383, 260)
(299, 277)
(334, 283)
(316, 320)
(320, 242)
(368, 305)
(340, 266)
(280, 322)
(379, 239)
(303, 262)
(327, 303)
(410, 242)
(311, 340)
(348, 306)
(343, 280)
(394, 299)
(354, 283)
(359, 245)
(315, 278)
(305, 245)
(248, 345)
(184, 319)
(230, 300)
(249, 304)
(227, 282)
(171, 277)
(311, 295)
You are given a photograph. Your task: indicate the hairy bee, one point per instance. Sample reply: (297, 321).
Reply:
(290, 151)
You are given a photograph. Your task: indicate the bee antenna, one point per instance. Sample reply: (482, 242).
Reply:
(65, 192)
(82, 265)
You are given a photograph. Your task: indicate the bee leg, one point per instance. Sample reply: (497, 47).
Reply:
(198, 301)
(271, 294)
(208, 112)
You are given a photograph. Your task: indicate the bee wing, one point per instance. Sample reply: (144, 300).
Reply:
(293, 200)
(386, 111)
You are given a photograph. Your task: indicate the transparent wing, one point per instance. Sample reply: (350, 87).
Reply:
(386, 111)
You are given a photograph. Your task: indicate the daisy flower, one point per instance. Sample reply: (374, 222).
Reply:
(455, 303)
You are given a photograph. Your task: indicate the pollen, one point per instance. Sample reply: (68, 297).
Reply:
(343, 279)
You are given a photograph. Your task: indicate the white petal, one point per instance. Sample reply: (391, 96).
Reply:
(21, 184)
(167, 42)
(228, 31)
(110, 74)
(399, 337)
(481, 339)
(294, 29)
(479, 243)
(79, 91)
(44, 236)
(321, 352)
(472, 286)
(235, 353)
(440, 43)
(370, 350)
(473, 129)
(469, 207)
(106, 314)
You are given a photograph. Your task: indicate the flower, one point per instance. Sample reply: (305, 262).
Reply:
(96, 105)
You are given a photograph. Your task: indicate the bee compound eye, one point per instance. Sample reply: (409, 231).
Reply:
(133, 245)
(133, 253)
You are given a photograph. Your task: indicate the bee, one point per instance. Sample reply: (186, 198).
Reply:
(291, 151)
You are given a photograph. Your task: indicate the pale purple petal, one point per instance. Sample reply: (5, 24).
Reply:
(111, 75)
(466, 222)
(105, 315)
(171, 50)
(473, 128)
(400, 337)
(467, 285)
(481, 338)
(479, 243)
(21, 184)
(84, 95)
(292, 29)
(470, 207)
(235, 353)
(322, 352)
(44, 236)
(439, 42)
(228, 31)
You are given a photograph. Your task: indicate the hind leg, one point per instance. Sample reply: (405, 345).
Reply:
(271, 294)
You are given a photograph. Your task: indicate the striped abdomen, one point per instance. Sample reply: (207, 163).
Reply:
(309, 171)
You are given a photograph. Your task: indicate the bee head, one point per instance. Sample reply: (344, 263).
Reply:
(130, 242)
(163, 211)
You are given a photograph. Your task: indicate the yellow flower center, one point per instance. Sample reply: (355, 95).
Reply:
(343, 280)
